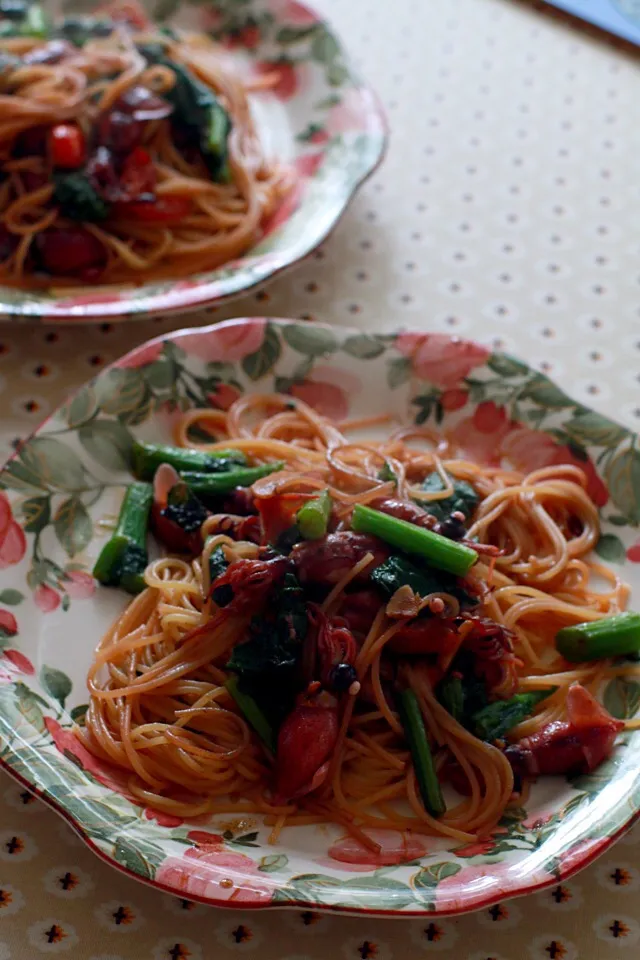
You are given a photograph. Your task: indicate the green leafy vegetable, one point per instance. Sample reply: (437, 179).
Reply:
(197, 108)
(267, 662)
(398, 571)
(253, 713)
(463, 498)
(218, 564)
(184, 508)
(496, 719)
(77, 198)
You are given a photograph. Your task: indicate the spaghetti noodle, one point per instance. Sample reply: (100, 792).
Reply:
(127, 155)
(162, 707)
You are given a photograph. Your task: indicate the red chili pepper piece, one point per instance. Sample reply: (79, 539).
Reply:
(67, 146)
(306, 742)
(575, 745)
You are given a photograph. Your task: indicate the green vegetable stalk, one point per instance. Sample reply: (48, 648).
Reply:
(496, 719)
(617, 636)
(124, 557)
(147, 457)
(215, 484)
(423, 764)
(252, 713)
(451, 696)
(313, 517)
(436, 550)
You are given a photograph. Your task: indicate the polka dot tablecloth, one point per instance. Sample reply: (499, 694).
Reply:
(507, 210)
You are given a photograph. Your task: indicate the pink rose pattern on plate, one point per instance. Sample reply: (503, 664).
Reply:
(495, 407)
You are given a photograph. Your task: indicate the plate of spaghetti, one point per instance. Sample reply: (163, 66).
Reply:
(273, 636)
(153, 159)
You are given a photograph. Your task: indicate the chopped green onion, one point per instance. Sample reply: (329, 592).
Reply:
(123, 558)
(423, 764)
(313, 517)
(147, 457)
(214, 484)
(252, 713)
(616, 636)
(496, 719)
(436, 550)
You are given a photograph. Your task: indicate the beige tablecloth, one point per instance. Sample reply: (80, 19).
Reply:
(507, 210)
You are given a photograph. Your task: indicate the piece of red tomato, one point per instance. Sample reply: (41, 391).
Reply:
(67, 146)
(161, 210)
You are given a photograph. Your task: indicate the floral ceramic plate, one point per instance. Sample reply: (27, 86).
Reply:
(69, 476)
(319, 117)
